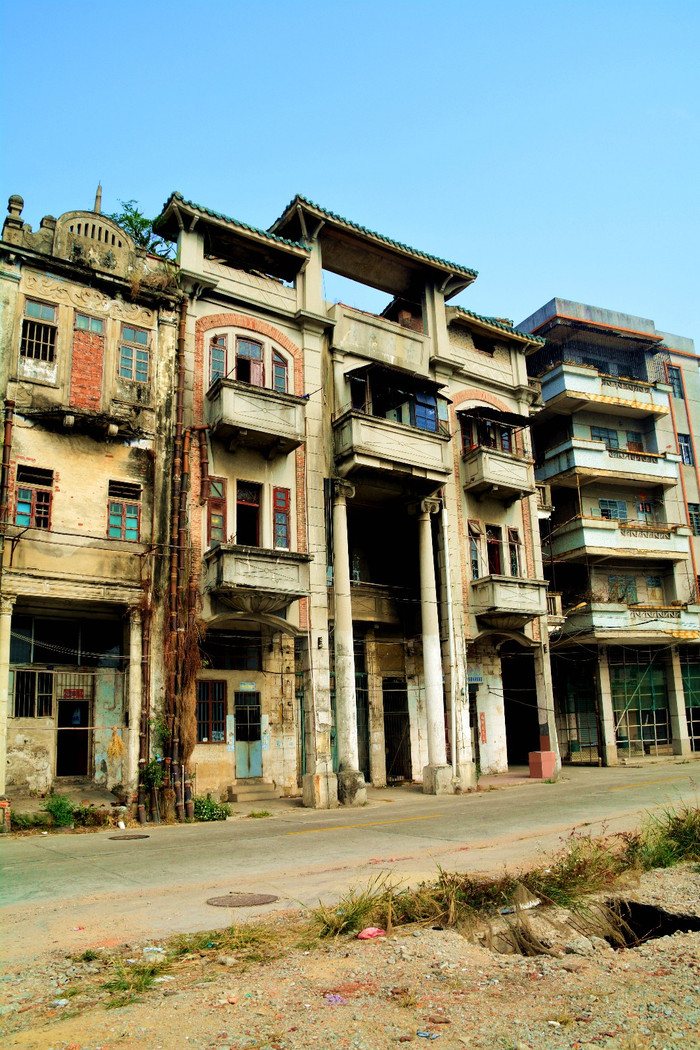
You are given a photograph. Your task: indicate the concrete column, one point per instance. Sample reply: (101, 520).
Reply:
(6, 604)
(608, 743)
(437, 775)
(351, 782)
(377, 752)
(545, 701)
(135, 691)
(676, 705)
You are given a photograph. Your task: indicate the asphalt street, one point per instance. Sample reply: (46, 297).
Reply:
(77, 890)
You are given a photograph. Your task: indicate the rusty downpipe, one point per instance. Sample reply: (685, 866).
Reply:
(143, 725)
(182, 622)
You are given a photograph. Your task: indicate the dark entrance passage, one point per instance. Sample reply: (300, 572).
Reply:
(397, 730)
(73, 739)
(520, 704)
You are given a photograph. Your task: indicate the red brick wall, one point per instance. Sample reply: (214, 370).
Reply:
(86, 370)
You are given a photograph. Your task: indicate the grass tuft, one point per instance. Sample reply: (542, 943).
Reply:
(128, 981)
(258, 813)
(666, 839)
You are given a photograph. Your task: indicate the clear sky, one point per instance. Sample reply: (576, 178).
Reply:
(553, 146)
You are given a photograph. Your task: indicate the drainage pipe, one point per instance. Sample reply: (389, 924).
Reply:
(451, 639)
(5, 475)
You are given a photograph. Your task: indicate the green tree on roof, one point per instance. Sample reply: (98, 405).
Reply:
(132, 219)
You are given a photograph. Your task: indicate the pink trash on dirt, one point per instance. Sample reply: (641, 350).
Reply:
(370, 932)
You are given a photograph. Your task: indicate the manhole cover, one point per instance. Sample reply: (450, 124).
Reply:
(242, 900)
(121, 838)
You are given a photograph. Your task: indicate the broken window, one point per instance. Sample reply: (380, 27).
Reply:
(494, 541)
(475, 539)
(34, 491)
(124, 511)
(482, 432)
(514, 555)
(694, 515)
(249, 362)
(39, 329)
(134, 355)
(675, 380)
(216, 511)
(635, 441)
(685, 447)
(623, 589)
(248, 514)
(211, 712)
(389, 393)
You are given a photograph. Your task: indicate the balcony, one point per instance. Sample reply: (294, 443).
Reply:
(544, 499)
(555, 614)
(380, 340)
(568, 388)
(374, 602)
(508, 602)
(576, 459)
(607, 618)
(254, 579)
(255, 417)
(583, 537)
(372, 444)
(492, 473)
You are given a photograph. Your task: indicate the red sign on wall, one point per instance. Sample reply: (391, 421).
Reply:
(482, 728)
(73, 694)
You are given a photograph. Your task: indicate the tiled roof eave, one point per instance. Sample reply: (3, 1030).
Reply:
(178, 199)
(499, 326)
(373, 235)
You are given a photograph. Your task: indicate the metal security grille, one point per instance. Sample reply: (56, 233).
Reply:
(38, 340)
(640, 703)
(690, 670)
(576, 711)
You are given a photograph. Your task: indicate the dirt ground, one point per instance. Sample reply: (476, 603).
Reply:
(417, 984)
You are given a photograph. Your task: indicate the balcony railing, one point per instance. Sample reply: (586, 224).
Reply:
(679, 621)
(508, 602)
(255, 579)
(371, 443)
(505, 476)
(569, 387)
(588, 537)
(580, 457)
(255, 417)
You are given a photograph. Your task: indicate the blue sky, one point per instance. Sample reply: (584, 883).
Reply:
(552, 146)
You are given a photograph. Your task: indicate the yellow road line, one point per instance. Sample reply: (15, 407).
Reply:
(665, 780)
(369, 824)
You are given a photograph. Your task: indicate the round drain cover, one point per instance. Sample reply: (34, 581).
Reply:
(121, 838)
(242, 900)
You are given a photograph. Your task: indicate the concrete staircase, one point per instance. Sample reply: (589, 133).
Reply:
(253, 790)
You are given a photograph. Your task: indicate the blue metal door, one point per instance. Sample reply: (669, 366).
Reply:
(248, 735)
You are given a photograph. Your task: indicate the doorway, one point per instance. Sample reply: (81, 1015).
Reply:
(397, 730)
(73, 738)
(248, 716)
(520, 704)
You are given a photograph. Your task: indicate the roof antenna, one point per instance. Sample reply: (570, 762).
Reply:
(98, 199)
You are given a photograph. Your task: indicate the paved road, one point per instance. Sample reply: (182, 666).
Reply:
(77, 890)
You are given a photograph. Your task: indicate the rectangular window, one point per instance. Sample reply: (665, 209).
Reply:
(134, 355)
(493, 549)
(249, 362)
(675, 380)
(425, 411)
(124, 511)
(685, 447)
(280, 505)
(279, 373)
(248, 514)
(33, 507)
(694, 516)
(635, 441)
(610, 437)
(613, 509)
(475, 534)
(33, 694)
(211, 712)
(217, 358)
(216, 511)
(514, 552)
(623, 589)
(39, 331)
(89, 324)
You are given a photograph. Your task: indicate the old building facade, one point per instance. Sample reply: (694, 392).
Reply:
(615, 443)
(337, 509)
(87, 340)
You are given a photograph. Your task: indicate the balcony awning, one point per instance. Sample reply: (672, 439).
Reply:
(412, 380)
(481, 411)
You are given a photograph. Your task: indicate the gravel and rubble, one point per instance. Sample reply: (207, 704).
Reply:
(419, 984)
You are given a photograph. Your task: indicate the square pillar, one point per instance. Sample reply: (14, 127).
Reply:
(676, 705)
(608, 743)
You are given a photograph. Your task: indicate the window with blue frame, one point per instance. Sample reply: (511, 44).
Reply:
(425, 411)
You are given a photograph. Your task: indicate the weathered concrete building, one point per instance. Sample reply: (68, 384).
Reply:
(87, 338)
(615, 442)
(363, 514)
